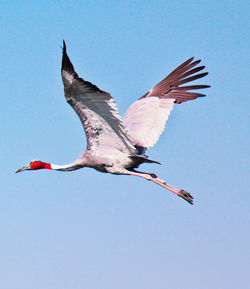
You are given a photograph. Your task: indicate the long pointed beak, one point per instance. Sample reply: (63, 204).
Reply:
(27, 167)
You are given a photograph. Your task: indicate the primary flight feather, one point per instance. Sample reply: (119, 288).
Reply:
(116, 145)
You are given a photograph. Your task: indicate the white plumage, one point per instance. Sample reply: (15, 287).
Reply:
(146, 118)
(116, 145)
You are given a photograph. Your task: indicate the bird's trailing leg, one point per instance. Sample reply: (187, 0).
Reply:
(152, 177)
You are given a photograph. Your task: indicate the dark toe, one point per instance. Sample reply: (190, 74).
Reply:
(186, 196)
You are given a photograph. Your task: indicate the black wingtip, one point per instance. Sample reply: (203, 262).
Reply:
(64, 46)
(66, 63)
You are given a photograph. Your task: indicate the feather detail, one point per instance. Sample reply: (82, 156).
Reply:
(97, 111)
(145, 119)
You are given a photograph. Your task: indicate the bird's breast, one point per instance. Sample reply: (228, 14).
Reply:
(109, 163)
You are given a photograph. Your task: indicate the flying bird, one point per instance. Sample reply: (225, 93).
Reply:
(118, 145)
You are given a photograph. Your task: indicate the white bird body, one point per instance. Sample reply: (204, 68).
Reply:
(116, 145)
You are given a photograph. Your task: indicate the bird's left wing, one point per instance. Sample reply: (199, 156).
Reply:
(97, 111)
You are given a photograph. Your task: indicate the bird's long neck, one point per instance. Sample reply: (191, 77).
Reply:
(69, 167)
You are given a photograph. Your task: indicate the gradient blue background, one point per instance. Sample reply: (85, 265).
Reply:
(89, 230)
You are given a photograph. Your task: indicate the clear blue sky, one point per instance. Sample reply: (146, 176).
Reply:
(90, 230)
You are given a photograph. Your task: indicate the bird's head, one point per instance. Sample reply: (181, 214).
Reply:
(35, 165)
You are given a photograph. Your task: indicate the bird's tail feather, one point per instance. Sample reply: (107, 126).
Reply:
(143, 159)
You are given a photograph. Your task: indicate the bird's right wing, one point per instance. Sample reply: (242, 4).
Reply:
(97, 111)
(145, 119)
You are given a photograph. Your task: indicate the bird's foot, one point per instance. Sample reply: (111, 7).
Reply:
(186, 196)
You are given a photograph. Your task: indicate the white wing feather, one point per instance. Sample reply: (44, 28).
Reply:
(146, 118)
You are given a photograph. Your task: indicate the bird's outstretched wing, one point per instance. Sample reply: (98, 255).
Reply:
(97, 111)
(146, 118)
